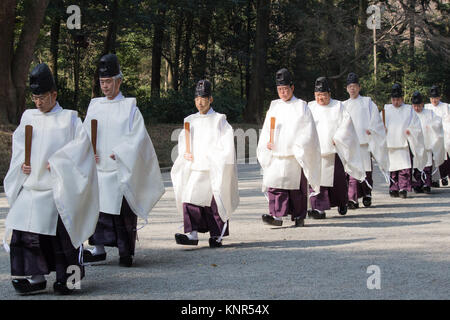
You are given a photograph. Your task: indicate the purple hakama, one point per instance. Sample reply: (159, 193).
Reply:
(336, 196)
(117, 231)
(35, 254)
(294, 202)
(203, 219)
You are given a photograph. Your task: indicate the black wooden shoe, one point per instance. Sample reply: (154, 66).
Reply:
(60, 288)
(184, 240)
(435, 184)
(213, 243)
(353, 205)
(343, 210)
(299, 222)
(445, 182)
(418, 190)
(403, 194)
(367, 201)
(90, 259)
(427, 190)
(126, 262)
(316, 214)
(25, 287)
(394, 194)
(268, 219)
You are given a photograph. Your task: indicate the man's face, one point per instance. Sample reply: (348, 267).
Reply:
(323, 98)
(353, 90)
(435, 101)
(285, 92)
(45, 102)
(110, 87)
(418, 107)
(203, 103)
(397, 102)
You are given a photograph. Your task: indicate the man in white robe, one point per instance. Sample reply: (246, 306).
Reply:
(204, 176)
(405, 143)
(443, 111)
(292, 159)
(53, 199)
(372, 138)
(129, 177)
(433, 134)
(340, 152)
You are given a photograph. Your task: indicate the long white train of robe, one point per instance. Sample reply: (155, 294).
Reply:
(366, 117)
(337, 135)
(213, 172)
(69, 189)
(135, 174)
(296, 147)
(398, 121)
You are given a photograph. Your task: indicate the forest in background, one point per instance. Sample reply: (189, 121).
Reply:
(166, 46)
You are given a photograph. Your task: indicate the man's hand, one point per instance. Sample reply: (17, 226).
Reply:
(97, 158)
(408, 132)
(189, 156)
(48, 166)
(270, 146)
(113, 157)
(26, 169)
(368, 132)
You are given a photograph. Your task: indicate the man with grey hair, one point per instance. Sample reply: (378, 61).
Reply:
(130, 181)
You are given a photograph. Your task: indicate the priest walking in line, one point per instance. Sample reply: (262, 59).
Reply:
(289, 153)
(372, 138)
(51, 186)
(204, 175)
(442, 110)
(433, 135)
(129, 177)
(405, 143)
(340, 151)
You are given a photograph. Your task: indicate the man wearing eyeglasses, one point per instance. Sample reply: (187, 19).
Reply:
(54, 198)
(129, 177)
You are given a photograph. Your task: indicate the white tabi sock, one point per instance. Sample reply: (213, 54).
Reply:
(193, 235)
(36, 279)
(278, 218)
(98, 250)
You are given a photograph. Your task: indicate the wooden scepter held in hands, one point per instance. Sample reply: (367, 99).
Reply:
(272, 129)
(28, 138)
(383, 113)
(94, 126)
(187, 129)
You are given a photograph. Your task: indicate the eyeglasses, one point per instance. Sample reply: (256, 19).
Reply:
(41, 98)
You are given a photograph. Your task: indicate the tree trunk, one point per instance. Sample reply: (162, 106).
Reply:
(157, 51)
(253, 112)
(359, 29)
(200, 63)
(187, 49)
(176, 62)
(54, 46)
(412, 33)
(109, 45)
(15, 64)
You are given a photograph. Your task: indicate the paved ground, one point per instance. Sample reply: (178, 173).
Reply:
(328, 259)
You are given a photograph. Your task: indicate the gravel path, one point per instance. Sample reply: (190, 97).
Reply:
(328, 259)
